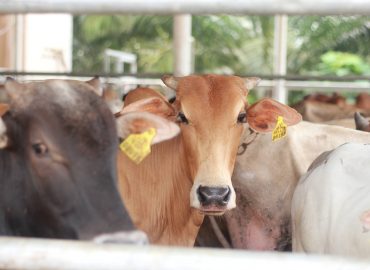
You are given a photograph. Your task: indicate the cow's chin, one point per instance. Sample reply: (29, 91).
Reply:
(212, 210)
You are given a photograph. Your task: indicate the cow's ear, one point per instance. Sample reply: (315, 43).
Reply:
(13, 88)
(139, 122)
(170, 81)
(251, 82)
(3, 136)
(96, 85)
(262, 116)
(154, 105)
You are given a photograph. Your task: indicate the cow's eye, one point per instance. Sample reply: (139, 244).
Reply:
(242, 118)
(182, 118)
(40, 148)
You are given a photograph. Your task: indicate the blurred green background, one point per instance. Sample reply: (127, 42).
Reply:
(317, 45)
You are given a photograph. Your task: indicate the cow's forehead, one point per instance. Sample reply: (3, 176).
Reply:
(198, 95)
(67, 94)
(63, 92)
(58, 106)
(215, 87)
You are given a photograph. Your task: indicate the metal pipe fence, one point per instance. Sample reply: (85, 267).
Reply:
(28, 254)
(200, 7)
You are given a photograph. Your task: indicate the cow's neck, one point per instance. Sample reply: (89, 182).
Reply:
(157, 194)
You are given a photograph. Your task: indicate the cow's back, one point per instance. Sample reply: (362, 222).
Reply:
(330, 200)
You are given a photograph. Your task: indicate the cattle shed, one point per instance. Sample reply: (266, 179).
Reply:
(26, 253)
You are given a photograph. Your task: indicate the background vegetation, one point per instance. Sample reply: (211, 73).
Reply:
(317, 45)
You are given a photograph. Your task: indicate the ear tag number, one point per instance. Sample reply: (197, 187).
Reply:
(137, 146)
(280, 129)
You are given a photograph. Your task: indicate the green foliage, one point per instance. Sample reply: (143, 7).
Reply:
(222, 44)
(312, 36)
(342, 64)
(149, 37)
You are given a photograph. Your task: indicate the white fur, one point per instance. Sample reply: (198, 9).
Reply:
(329, 202)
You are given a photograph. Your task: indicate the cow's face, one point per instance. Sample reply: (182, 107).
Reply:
(64, 136)
(211, 111)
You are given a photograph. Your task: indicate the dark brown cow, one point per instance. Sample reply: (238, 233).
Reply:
(58, 146)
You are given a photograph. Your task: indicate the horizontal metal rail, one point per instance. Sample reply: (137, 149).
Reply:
(28, 254)
(130, 82)
(201, 7)
(158, 75)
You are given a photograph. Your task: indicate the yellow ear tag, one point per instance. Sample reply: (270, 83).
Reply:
(279, 130)
(137, 146)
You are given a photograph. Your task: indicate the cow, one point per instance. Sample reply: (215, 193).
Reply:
(335, 98)
(319, 108)
(363, 101)
(331, 204)
(318, 112)
(189, 176)
(58, 146)
(265, 176)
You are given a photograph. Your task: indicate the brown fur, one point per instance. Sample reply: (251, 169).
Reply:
(156, 191)
(166, 221)
(160, 193)
(363, 101)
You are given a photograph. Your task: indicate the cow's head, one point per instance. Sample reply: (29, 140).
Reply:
(58, 162)
(212, 112)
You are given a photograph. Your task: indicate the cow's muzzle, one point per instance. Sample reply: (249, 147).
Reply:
(213, 200)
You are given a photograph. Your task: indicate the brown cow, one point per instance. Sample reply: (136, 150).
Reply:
(363, 101)
(320, 108)
(335, 98)
(169, 192)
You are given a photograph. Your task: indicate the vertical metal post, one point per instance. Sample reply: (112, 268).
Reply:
(279, 91)
(182, 42)
(20, 43)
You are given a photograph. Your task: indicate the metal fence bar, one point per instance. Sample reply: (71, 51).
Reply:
(291, 85)
(28, 254)
(182, 44)
(279, 91)
(201, 7)
(158, 75)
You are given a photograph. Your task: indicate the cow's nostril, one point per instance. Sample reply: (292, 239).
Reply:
(214, 195)
(202, 194)
(227, 196)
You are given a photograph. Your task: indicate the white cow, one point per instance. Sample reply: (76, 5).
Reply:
(265, 177)
(331, 203)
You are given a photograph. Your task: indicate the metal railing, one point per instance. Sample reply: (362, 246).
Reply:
(28, 254)
(200, 7)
